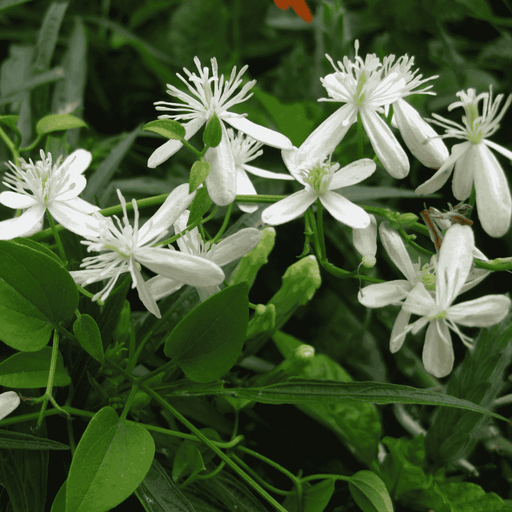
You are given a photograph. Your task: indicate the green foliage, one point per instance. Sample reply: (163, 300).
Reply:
(213, 132)
(198, 173)
(88, 335)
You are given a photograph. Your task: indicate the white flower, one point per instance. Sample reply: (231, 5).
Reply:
(365, 86)
(320, 179)
(122, 248)
(474, 161)
(453, 266)
(226, 251)
(365, 242)
(8, 402)
(42, 185)
(198, 109)
(244, 150)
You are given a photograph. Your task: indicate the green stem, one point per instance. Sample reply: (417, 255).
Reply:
(360, 136)
(33, 145)
(11, 146)
(216, 238)
(58, 241)
(192, 148)
(258, 199)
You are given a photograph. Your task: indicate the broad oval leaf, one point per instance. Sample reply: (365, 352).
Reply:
(208, 341)
(36, 292)
(31, 370)
(57, 122)
(110, 461)
(369, 492)
(88, 335)
(198, 173)
(169, 128)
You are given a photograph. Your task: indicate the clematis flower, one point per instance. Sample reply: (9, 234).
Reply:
(320, 179)
(244, 150)
(474, 162)
(365, 242)
(366, 86)
(124, 247)
(198, 108)
(452, 270)
(226, 251)
(8, 402)
(45, 186)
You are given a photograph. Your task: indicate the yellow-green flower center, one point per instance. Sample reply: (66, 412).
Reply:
(319, 177)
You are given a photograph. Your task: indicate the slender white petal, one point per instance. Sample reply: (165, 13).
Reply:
(235, 246)
(481, 312)
(290, 208)
(268, 174)
(76, 187)
(441, 176)
(420, 302)
(78, 161)
(80, 205)
(290, 160)
(365, 240)
(85, 277)
(8, 403)
(493, 200)
(385, 145)
(167, 214)
(221, 182)
(382, 294)
(160, 286)
(396, 250)
(399, 331)
(353, 173)
(169, 148)
(344, 210)
(324, 139)
(17, 201)
(500, 149)
(244, 187)
(463, 174)
(421, 139)
(260, 133)
(190, 269)
(438, 354)
(73, 220)
(455, 260)
(23, 225)
(144, 293)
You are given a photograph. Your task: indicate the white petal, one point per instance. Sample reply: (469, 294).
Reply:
(83, 206)
(268, 174)
(438, 354)
(75, 221)
(344, 210)
(175, 204)
(290, 160)
(8, 402)
(245, 187)
(236, 246)
(327, 136)
(17, 201)
(463, 175)
(160, 286)
(500, 149)
(288, 209)
(78, 161)
(382, 294)
(187, 268)
(165, 151)
(399, 331)
(419, 136)
(441, 176)
(481, 312)
(493, 201)
(353, 173)
(93, 276)
(385, 145)
(365, 240)
(144, 293)
(420, 302)
(24, 224)
(68, 193)
(396, 250)
(260, 133)
(454, 263)
(221, 182)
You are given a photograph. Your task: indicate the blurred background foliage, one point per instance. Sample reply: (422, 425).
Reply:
(111, 59)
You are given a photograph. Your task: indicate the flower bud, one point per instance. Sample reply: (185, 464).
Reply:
(365, 242)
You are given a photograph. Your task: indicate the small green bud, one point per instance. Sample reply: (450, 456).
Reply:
(408, 219)
(369, 261)
(305, 352)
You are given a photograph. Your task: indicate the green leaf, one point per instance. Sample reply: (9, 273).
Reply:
(208, 341)
(31, 244)
(31, 370)
(158, 493)
(88, 335)
(21, 441)
(369, 492)
(59, 502)
(317, 497)
(198, 174)
(110, 461)
(187, 461)
(168, 128)
(213, 132)
(10, 121)
(36, 292)
(57, 122)
(199, 206)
